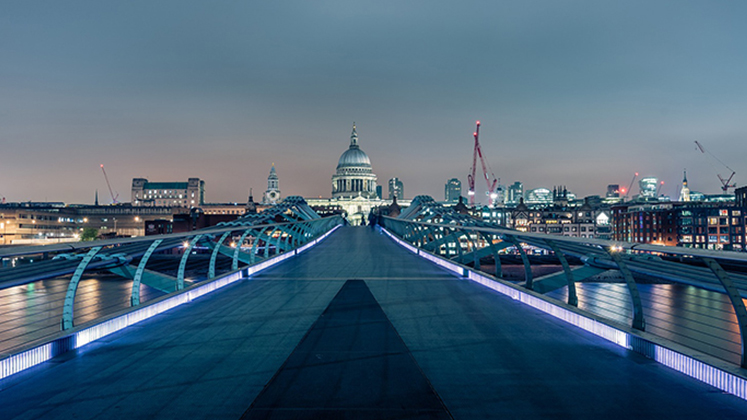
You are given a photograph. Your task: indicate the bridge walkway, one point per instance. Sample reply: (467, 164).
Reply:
(408, 340)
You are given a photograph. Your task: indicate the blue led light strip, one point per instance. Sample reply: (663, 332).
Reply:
(717, 377)
(27, 358)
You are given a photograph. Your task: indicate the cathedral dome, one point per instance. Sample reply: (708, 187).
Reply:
(354, 176)
(354, 156)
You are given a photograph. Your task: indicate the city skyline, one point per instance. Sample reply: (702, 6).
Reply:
(580, 94)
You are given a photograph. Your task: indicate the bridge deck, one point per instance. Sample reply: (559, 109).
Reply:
(409, 341)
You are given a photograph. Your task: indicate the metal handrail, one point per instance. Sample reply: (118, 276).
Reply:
(80, 246)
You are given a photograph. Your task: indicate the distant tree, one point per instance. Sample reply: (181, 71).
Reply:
(89, 234)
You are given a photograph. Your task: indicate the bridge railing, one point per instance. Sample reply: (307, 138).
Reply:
(467, 242)
(244, 243)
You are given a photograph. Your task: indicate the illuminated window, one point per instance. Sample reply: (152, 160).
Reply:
(723, 212)
(713, 220)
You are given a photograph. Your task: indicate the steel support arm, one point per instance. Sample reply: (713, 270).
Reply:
(639, 322)
(237, 250)
(736, 302)
(135, 295)
(572, 297)
(214, 255)
(72, 288)
(528, 279)
(183, 262)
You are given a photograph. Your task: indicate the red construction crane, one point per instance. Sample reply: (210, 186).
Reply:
(490, 180)
(114, 197)
(724, 181)
(626, 192)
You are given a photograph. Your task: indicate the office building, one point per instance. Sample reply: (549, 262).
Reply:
(168, 194)
(396, 189)
(452, 190)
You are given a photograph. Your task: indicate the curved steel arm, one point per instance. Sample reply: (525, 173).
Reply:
(736, 302)
(496, 256)
(237, 250)
(639, 322)
(72, 287)
(183, 262)
(135, 296)
(572, 297)
(214, 255)
(268, 241)
(255, 245)
(528, 280)
(457, 244)
(409, 233)
(476, 256)
(280, 238)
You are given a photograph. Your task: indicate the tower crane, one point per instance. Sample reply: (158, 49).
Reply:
(724, 181)
(630, 186)
(491, 180)
(114, 197)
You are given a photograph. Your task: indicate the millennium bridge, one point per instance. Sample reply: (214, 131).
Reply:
(429, 314)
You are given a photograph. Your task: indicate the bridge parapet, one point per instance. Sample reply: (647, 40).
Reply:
(444, 232)
(268, 244)
(253, 238)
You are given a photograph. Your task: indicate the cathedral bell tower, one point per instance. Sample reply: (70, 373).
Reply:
(685, 191)
(272, 195)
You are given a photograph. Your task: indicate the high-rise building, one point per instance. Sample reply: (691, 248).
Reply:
(740, 195)
(648, 187)
(396, 188)
(168, 194)
(379, 192)
(613, 191)
(515, 193)
(452, 190)
(539, 196)
(272, 195)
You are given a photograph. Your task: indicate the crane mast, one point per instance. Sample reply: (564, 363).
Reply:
(725, 182)
(630, 186)
(471, 176)
(490, 180)
(114, 198)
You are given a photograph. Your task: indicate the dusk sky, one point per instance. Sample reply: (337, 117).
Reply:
(575, 93)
